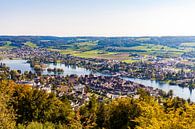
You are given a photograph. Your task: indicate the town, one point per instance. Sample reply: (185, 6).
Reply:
(173, 71)
(79, 88)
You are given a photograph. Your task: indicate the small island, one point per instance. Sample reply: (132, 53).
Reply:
(55, 70)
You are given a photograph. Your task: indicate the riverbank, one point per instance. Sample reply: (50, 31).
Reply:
(178, 91)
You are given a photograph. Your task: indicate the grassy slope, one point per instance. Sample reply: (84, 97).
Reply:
(30, 44)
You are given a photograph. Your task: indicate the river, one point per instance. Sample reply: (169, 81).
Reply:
(68, 70)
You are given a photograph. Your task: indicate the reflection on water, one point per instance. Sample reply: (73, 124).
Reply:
(182, 92)
(18, 65)
(68, 70)
(23, 66)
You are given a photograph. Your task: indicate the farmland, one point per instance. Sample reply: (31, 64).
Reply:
(126, 49)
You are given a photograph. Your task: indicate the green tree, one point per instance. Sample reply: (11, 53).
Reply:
(37, 105)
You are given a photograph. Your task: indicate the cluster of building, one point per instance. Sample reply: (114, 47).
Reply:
(79, 88)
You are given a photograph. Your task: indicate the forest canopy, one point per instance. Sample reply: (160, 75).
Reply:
(23, 107)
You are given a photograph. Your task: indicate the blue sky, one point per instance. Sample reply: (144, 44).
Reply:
(97, 17)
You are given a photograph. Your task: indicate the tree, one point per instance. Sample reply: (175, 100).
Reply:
(88, 113)
(37, 105)
(170, 93)
(7, 116)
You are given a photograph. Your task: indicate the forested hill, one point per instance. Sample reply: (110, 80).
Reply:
(51, 41)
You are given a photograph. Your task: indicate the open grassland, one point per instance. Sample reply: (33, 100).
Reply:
(89, 50)
(30, 44)
(129, 61)
(103, 55)
(151, 49)
(96, 54)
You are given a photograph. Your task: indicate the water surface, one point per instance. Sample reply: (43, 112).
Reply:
(68, 70)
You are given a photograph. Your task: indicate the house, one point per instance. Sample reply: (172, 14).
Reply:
(30, 83)
(79, 88)
(47, 89)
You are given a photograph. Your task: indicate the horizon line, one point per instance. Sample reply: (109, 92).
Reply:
(60, 36)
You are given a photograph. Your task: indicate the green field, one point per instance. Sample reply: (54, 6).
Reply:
(30, 44)
(89, 50)
(7, 45)
(151, 49)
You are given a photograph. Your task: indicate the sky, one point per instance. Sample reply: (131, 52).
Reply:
(97, 17)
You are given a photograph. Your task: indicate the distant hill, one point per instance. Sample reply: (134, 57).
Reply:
(57, 42)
